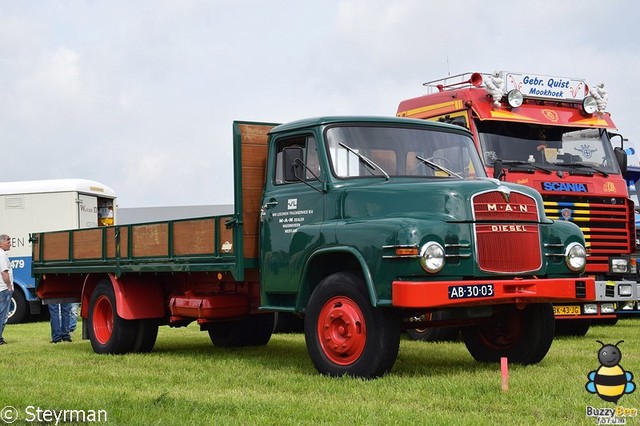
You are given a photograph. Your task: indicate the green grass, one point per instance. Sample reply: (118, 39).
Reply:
(188, 381)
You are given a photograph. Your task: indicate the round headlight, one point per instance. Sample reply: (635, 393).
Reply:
(432, 257)
(514, 98)
(575, 256)
(589, 104)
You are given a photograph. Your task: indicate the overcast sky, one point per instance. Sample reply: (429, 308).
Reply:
(141, 95)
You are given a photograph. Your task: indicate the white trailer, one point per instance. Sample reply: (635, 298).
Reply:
(46, 205)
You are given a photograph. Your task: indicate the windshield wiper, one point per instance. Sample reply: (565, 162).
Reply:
(526, 163)
(364, 160)
(436, 166)
(587, 168)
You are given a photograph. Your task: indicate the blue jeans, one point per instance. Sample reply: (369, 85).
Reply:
(60, 318)
(74, 317)
(5, 304)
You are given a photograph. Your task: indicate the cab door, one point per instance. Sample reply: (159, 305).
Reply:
(291, 215)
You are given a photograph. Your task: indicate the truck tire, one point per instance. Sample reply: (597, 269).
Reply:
(608, 322)
(146, 335)
(254, 330)
(572, 327)
(345, 334)
(523, 336)
(435, 334)
(109, 333)
(286, 322)
(19, 310)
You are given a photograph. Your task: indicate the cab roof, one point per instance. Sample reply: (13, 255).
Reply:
(328, 120)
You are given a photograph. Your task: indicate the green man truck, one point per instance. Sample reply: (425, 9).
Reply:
(352, 222)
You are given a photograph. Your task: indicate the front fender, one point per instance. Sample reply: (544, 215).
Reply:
(328, 260)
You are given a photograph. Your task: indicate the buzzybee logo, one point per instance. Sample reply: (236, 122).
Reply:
(610, 381)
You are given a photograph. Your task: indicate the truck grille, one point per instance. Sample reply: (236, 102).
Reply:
(604, 222)
(507, 232)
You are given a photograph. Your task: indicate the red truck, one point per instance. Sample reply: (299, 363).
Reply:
(554, 135)
(348, 221)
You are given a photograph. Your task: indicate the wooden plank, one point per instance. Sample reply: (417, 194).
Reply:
(150, 240)
(35, 248)
(254, 133)
(254, 155)
(254, 158)
(250, 246)
(193, 237)
(251, 227)
(87, 244)
(55, 246)
(253, 177)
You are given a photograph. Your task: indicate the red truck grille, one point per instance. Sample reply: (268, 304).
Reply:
(507, 232)
(605, 222)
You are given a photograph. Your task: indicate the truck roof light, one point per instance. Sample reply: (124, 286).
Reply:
(589, 104)
(514, 98)
(476, 79)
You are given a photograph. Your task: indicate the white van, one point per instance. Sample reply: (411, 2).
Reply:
(46, 205)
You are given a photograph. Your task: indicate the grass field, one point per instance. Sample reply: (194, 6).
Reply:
(187, 381)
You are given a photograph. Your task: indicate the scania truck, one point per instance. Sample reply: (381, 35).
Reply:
(554, 135)
(352, 222)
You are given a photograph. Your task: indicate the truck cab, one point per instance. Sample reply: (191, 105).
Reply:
(552, 134)
(406, 217)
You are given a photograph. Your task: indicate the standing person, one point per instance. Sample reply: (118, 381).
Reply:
(6, 282)
(60, 314)
(73, 321)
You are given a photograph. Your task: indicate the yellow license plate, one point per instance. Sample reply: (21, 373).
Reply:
(566, 310)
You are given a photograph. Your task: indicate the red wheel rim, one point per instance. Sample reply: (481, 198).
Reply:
(342, 331)
(103, 319)
(505, 335)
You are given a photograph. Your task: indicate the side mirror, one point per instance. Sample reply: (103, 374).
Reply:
(292, 157)
(498, 170)
(618, 135)
(621, 158)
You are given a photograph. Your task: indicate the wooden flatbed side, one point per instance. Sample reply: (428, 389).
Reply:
(189, 245)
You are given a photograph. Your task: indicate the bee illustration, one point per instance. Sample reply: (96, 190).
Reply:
(610, 381)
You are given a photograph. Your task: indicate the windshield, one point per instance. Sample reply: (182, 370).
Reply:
(552, 147)
(365, 151)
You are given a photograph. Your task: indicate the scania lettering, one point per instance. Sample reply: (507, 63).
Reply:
(554, 135)
(564, 187)
(349, 222)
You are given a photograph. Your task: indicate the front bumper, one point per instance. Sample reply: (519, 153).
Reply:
(439, 294)
(616, 291)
